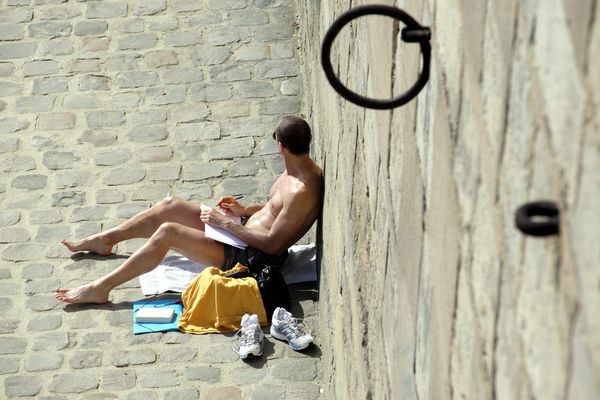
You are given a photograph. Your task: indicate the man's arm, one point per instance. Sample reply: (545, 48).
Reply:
(286, 227)
(231, 207)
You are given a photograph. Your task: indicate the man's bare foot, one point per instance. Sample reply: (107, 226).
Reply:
(89, 293)
(96, 244)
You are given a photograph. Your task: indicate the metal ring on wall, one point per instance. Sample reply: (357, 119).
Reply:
(547, 227)
(412, 33)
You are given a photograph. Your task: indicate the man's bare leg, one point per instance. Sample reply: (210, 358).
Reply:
(188, 241)
(142, 225)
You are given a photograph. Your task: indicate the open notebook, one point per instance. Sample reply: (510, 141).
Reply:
(222, 235)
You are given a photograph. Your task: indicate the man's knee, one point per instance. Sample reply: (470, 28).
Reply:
(170, 202)
(165, 232)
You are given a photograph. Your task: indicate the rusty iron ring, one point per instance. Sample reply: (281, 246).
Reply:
(412, 33)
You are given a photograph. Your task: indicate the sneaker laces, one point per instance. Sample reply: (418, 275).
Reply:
(246, 337)
(297, 326)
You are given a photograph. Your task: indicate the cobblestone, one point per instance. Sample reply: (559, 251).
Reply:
(106, 108)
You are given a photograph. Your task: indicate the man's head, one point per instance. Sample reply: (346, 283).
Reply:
(294, 134)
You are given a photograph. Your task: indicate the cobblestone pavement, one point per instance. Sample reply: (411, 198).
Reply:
(105, 108)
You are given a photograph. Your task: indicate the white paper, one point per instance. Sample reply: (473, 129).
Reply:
(175, 273)
(221, 235)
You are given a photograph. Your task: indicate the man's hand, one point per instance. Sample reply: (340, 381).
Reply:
(231, 207)
(214, 218)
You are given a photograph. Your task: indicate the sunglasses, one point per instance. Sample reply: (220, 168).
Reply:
(274, 135)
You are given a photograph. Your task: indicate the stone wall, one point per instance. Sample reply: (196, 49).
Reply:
(427, 289)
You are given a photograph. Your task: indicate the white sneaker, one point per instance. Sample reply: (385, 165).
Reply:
(252, 337)
(285, 327)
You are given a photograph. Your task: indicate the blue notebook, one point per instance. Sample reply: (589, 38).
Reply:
(146, 327)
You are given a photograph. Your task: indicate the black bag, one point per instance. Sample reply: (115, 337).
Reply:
(272, 286)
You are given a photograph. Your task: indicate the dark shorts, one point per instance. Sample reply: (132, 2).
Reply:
(234, 255)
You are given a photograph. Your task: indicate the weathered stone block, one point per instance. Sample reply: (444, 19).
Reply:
(249, 17)
(95, 213)
(166, 24)
(211, 92)
(148, 134)
(50, 85)
(12, 345)
(56, 121)
(276, 69)
(82, 66)
(170, 94)
(182, 75)
(49, 30)
(123, 62)
(86, 28)
(47, 216)
(16, 15)
(206, 18)
(224, 392)
(118, 379)
(8, 366)
(70, 179)
(252, 89)
(6, 69)
(95, 340)
(301, 369)
(165, 173)
(149, 7)
(9, 145)
(94, 82)
(284, 49)
(224, 36)
(58, 13)
(133, 79)
(14, 163)
(43, 362)
(160, 58)
(40, 67)
(73, 383)
(181, 39)
(212, 55)
(205, 374)
(279, 106)
(158, 378)
(187, 5)
(106, 9)
(128, 210)
(56, 47)
(125, 100)
(273, 32)
(227, 4)
(86, 359)
(20, 386)
(232, 148)
(17, 50)
(200, 171)
(138, 42)
(30, 182)
(291, 87)
(252, 52)
(105, 118)
(81, 101)
(123, 176)
(155, 154)
(248, 167)
(267, 392)
(44, 323)
(40, 286)
(53, 340)
(109, 196)
(34, 104)
(228, 73)
(112, 156)
(95, 43)
(68, 198)
(9, 31)
(9, 217)
(99, 138)
(191, 132)
(59, 159)
(34, 271)
(238, 185)
(129, 25)
(10, 88)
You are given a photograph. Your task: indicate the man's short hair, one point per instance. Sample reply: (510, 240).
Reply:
(294, 134)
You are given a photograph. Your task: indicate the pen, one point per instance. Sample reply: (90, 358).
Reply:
(237, 196)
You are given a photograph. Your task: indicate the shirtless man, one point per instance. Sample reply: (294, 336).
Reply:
(295, 201)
